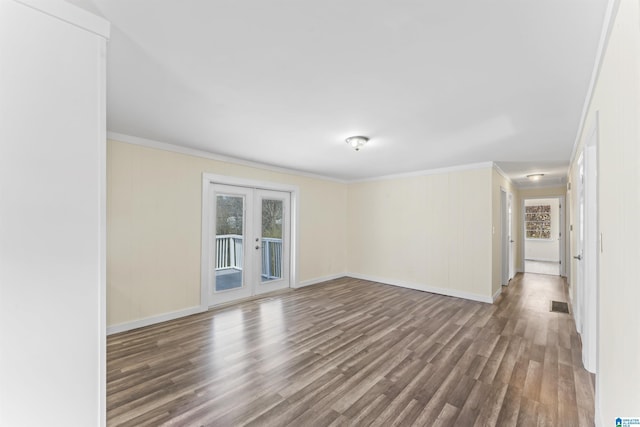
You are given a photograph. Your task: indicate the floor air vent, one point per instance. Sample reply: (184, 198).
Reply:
(559, 307)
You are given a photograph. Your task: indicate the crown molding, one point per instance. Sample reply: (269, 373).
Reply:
(457, 168)
(149, 143)
(503, 174)
(71, 14)
(542, 186)
(607, 26)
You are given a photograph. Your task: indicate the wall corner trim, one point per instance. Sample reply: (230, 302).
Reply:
(317, 280)
(425, 288)
(502, 173)
(497, 294)
(425, 172)
(71, 14)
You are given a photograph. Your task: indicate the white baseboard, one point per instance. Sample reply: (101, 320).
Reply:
(497, 294)
(598, 414)
(127, 326)
(425, 288)
(147, 321)
(318, 280)
(542, 260)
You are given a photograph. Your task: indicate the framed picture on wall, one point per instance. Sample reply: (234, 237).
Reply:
(538, 221)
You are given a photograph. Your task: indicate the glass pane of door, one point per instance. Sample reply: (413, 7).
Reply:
(272, 225)
(229, 242)
(248, 253)
(271, 239)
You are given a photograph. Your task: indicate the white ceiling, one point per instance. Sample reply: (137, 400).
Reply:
(432, 83)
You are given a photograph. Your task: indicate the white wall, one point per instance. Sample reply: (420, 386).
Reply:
(545, 249)
(430, 232)
(52, 140)
(616, 105)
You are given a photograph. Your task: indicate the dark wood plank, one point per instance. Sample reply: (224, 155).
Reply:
(354, 352)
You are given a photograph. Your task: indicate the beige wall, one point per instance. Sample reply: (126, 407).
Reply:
(154, 228)
(616, 101)
(428, 232)
(499, 182)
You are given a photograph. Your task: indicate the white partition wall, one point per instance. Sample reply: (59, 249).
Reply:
(52, 206)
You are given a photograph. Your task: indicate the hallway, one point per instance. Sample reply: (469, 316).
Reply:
(354, 352)
(542, 267)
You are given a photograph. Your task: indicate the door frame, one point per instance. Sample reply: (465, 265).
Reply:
(205, 255)
(506, 235)
(562, 227)
(511, 212)
(578, 250)
(587, 293)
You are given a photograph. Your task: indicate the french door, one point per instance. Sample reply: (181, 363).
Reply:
(249, 242)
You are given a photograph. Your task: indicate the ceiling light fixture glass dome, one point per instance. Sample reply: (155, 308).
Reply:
(535, 176)
(357, 142)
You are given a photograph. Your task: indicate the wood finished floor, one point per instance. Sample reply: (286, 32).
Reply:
(352, 352)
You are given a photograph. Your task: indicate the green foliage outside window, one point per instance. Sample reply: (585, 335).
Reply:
(229, 213)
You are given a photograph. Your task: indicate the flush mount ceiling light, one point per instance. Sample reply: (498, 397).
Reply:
(357, 142)
(535, 176)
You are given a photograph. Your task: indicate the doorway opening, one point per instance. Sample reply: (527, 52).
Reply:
(543, 251)
(507, 236)
(248, 232)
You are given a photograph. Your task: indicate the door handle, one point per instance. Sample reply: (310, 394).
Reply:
(578, 257)
(511, 241)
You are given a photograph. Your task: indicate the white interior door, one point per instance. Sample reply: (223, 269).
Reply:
(504, 232)
(272, 241)
(590, 261)
(249, 242)
(561, 236)
(579, 249)
(512, 257)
